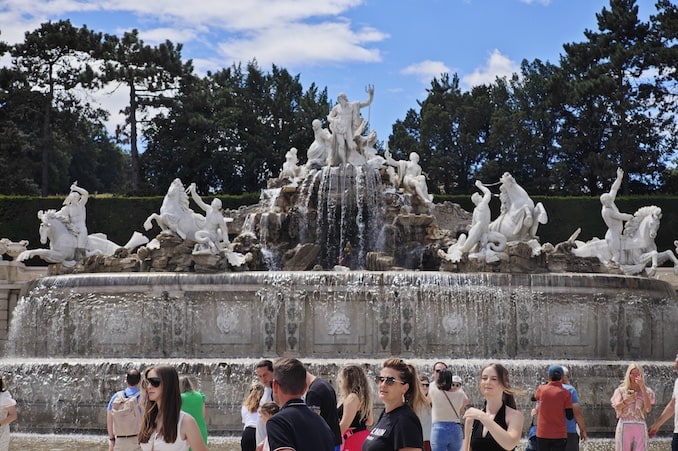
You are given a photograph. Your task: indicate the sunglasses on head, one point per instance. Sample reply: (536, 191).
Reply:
(388, 380)
(154, 381)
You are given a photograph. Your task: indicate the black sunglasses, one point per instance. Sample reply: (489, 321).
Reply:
(388, 380)
(425, 385)
(154, 381)
(456, 385)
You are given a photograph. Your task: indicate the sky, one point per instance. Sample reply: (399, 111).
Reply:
(398, 46)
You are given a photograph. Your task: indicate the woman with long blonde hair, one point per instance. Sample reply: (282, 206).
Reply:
(632, 401)
(249, 413)
(355, 407)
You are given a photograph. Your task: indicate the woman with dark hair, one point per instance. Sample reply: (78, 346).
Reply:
(448, 403)
(164, 426)
(398, 428)
(7, 414)
(499, 425)
(355, 407)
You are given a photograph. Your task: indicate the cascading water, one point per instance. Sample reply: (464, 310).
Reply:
(73, 336)
(349, 213)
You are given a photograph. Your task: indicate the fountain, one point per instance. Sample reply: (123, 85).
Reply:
(367, 270)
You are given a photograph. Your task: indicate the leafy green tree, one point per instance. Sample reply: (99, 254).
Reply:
(150, 74)
(229, 131)
(55, 59)
(609, 121)
(664, 29)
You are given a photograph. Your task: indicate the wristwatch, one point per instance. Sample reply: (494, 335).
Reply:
(111, 439)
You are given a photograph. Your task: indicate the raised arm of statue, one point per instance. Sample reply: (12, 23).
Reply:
(487, 194)
(617, 183)
(84, 194)
(198, 200)
(370, 91)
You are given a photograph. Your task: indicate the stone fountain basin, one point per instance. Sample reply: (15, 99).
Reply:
(346, 315)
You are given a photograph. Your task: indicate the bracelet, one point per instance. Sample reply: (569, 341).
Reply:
(111, 439)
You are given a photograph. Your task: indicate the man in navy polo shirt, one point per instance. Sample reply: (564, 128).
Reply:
(295, 427)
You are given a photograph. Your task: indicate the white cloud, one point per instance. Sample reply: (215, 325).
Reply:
(299, 43)
(497, 65)
(283, 32)
(541, 2)
(426, 70)
(159, 35)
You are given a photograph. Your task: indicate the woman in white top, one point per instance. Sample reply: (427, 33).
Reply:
(165, 427)
(249, 413)
(7, 414)
(448, 402)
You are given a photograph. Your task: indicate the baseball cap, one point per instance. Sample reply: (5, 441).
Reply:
(555, 370)
(456, 378)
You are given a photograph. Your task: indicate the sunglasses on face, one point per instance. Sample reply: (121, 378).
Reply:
(456, 385)
(388, 380)
(425, 385)
(154, 381)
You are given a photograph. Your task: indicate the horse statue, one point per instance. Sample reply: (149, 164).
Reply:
(62, 243)
(519, 217)
(176, 215)
(638, 248)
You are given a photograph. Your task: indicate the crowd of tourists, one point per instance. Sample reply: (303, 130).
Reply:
(288, 408)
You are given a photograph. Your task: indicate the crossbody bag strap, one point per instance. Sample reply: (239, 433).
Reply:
(451, 405)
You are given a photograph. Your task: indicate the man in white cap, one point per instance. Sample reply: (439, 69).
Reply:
(578, 420)
(457, 386)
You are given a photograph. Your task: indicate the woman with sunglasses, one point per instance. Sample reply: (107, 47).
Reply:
(164, 426)
(632, 401)
(448, 403)
(398, 428)
(355, 407)
(425, 415)
(499, 425)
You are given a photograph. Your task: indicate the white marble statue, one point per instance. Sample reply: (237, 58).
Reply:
(12, 248)
(409, 176)
(319, 150)
(637, 246)
(291, 169)
(213, 237)
(481, 243)
(613, 218)
(63, 244)
(176, 215)
(74, 216)
(345, 121)
(366, 145)
(519, 217)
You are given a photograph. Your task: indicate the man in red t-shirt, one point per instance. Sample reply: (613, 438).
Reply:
(554, 400)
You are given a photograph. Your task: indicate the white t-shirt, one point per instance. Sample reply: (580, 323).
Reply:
(261, 427)
(675, 407)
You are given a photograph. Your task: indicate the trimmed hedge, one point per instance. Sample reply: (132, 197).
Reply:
(118, 217)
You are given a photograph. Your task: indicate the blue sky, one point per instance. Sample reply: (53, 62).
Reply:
(396, 45)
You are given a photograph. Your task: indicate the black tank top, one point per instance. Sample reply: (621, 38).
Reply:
(487, 443)
(356, 424)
